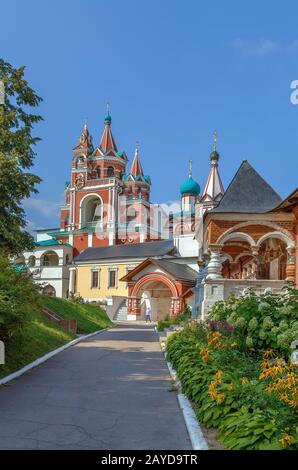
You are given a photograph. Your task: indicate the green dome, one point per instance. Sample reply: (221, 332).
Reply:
(190, 187)
(108, 117)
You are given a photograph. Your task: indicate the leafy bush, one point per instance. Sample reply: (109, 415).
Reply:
(19, 299)
(179, 319)
(265, 321)
(252, 401)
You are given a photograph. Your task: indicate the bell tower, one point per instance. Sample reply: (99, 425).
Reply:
(90, 213)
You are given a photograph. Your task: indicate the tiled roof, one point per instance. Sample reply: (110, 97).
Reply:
(248, 192)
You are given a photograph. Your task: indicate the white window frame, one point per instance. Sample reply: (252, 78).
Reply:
(116, 278)
(91, 278)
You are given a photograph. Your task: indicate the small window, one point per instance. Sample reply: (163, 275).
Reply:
(80, 162)
(98, 172)
(31, 261)
(94, 279)
(110, 171)
(112, 277)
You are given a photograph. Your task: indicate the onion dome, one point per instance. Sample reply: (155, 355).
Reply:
(190, 186)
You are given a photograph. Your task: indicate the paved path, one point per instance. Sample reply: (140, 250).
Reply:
(109, 392)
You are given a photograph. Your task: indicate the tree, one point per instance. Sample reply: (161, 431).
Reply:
(16, 157)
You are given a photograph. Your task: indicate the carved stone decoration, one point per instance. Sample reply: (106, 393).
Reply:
(80, 182)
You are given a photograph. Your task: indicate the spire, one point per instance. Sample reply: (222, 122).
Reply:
(190, 169)
(84, 144)
(214, 156)
(136, 167)
(107, 141)
(213, 190)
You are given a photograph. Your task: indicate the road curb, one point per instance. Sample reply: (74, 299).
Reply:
(40, 360)
(196, 436)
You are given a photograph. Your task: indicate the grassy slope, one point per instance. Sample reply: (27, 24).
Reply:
(89, 317)
(42, 336)
(37, 339)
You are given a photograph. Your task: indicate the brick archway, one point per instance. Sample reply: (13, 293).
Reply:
(154, 277)
(175, 300)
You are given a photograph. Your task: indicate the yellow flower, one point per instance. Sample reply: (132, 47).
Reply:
(283, 396)
(244, 380)
(230, 387)
(220, 398)
(219, 375)
(285, 440)
(269, 353)
(233, 345)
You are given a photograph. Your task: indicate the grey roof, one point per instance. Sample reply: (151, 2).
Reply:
(177, 270)
(248, 192)
(135, 250)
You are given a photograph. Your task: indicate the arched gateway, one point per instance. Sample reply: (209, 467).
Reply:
(167, 284)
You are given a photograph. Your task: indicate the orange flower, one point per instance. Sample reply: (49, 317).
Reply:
(285, 440)
(219, 375)
(269, 353)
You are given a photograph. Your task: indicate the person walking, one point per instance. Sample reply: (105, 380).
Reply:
(148, 312)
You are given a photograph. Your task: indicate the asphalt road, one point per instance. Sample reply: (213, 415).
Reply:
(110, 392)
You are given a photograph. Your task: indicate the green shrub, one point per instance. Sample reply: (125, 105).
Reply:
(179, 319)
(19, 299)
(251, 401)
(265, 321)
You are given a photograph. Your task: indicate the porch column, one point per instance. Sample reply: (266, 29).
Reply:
(134, 306)
(291, 264)
(72, 272)
(199, 290)
(176, 307)
(257, 259)
(214, 266)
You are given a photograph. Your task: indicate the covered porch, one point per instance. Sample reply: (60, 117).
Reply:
(163, 285)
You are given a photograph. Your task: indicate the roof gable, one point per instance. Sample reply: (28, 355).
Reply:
(248, 192)
(181, 272)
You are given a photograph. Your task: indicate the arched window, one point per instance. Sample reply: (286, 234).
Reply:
(31, 261)
(91, 210)
(110, 171)
(139, 193)
(67, 259)
(80, 162)
(120, 175)
(98, 172)
(50, 258)
(49, 290)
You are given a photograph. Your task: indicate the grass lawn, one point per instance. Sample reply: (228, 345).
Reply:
(42, 336)
(89, 317)
(37, 339)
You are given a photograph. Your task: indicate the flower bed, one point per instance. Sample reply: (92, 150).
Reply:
(247, 391)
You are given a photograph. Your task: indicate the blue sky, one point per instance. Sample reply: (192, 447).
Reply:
(173, 71)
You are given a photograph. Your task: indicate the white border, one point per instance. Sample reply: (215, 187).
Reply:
(44, 358)
(197, 439)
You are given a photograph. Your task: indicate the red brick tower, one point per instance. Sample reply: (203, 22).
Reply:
(89, 217)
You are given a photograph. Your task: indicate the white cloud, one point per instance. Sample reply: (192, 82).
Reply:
(262, 47)
(32, 226)
(44, 207)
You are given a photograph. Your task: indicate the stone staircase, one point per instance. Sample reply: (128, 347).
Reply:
(121, 314)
